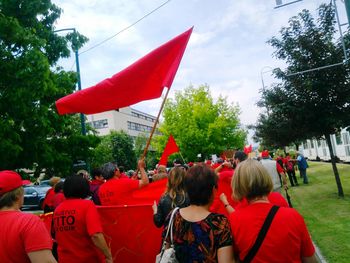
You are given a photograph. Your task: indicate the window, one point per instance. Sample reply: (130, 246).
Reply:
(347, 150)
(143, 117)
(100, 124)
(345, 138)
(140, 127)
(338, 139)
(319, 143)
(306, 146)
(312, 144)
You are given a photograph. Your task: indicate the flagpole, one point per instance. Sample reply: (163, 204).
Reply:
(155, 125)
(182, 158)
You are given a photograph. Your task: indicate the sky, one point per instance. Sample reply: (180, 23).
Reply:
(228, 48)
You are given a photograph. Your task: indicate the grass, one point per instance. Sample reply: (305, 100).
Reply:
(327, 216)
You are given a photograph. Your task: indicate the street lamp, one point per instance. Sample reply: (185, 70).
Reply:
(262, 72)
(82, 117)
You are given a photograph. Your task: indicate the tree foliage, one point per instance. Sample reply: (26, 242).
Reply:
(199, 124)
(115, 147)
(31, 131)
(312, 103)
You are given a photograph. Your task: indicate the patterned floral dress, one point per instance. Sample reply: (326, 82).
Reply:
(199, 241)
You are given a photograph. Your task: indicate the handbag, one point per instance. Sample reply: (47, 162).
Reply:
(167, 255)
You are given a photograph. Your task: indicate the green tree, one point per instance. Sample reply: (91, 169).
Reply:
(31, 131)
(200, 125)
(115, 147)
(316, 102)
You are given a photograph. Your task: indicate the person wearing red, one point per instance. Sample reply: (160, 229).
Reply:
(116, 190)
(287, 239)
(24, 238)
(95, 184)
(59, 196)
(77, 226)
(47, 205)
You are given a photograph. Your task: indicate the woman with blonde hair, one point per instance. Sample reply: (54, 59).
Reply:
(174, 196)
(286, 237)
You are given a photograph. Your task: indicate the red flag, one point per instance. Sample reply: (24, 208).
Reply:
(170, 148)
(143, 80)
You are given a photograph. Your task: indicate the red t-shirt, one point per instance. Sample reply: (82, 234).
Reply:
(49, 198)
(287, 240)
(274, 198)
(116, 191)
(21, 234)
(57, 199)
(75, 221)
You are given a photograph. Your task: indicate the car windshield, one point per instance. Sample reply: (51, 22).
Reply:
(42, 190)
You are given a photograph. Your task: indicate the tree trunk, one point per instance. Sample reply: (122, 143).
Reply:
(334, 166)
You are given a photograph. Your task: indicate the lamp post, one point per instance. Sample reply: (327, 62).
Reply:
(262, 72)
(82, 117)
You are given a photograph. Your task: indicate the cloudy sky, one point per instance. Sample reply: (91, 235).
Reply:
(227, 49)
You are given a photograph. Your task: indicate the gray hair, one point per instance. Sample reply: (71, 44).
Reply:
(108, 170)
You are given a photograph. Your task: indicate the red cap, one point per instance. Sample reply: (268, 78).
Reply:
(9, 180)
(265, 154)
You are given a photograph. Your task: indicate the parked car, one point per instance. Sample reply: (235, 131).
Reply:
(34, 196)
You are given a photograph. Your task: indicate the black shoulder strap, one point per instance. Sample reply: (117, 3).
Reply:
(261, 236)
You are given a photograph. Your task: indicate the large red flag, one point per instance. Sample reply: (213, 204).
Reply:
(170, 148)
(143, 80)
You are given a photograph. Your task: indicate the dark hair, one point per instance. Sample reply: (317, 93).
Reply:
(240, 155)
(108, 170)
(199, 183)
(121, 169)
(76, 186)
(96, 172)
(58, 187)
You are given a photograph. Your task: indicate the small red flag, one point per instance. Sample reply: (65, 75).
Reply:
(170, 148)
(248, 149)
(143, 80)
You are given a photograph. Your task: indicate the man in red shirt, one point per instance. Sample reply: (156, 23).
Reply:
(116, 191)
(24, 238)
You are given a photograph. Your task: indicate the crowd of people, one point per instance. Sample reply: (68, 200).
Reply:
(228, 210)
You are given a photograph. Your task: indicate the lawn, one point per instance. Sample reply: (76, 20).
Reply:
(327, 216)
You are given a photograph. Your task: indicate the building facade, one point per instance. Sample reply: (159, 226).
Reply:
(318, 149)
(133, 122)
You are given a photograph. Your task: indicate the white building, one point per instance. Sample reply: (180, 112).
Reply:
(313, 148)
(132, 121)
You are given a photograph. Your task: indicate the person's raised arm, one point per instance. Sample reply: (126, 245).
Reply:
(227, 205)
(144, 178)
(100, 242)
(41, 256)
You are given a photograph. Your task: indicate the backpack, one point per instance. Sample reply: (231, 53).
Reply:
(290, 166)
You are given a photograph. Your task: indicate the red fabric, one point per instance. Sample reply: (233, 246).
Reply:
(143, 80)
(75, 221)
(280, 170)
(224, 186)
(50, 194)
(131, 233)
(170, 148)
(286, 241)
(21, 233)
(57, 199)
(274, 198)
(116, 191)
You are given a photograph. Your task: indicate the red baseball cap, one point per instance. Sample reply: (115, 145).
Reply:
(10, 180)
(265, 154)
